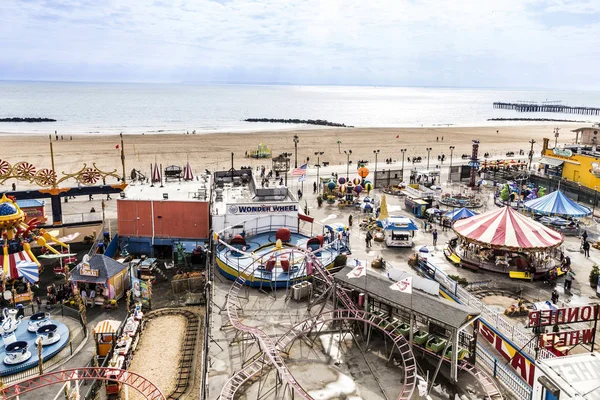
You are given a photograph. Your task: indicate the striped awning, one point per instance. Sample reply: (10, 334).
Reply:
(106, 326)
(507, 229)
(13, 259)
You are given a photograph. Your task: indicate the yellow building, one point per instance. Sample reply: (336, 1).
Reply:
(577, 163)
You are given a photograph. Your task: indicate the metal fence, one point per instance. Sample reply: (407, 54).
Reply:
(516, 385)
(66, 352)
(510, 331)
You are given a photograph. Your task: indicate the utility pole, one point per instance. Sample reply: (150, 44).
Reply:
(428, 152)
(376, 152)
(296, 140)
(403, 151)
(531, 152)
(348, 154)
(450, 172)
(318, 154)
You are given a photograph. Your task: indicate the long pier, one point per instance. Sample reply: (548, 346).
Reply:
(553, 108)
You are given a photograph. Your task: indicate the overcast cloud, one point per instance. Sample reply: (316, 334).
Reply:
(507, 43)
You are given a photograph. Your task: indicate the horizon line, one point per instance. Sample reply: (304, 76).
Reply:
(232, 83)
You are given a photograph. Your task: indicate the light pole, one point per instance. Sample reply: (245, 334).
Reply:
(402, 151)
(556, 137)
(296, 140)
(376, 152)
(450, 173)
(287, 165)
(428, 152)
(531, 153)
(348, 154)
(594, 206)
(318, 154)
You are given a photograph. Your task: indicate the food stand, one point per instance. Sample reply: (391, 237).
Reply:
(108, 276)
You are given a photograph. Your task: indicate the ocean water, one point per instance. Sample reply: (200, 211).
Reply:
(96, 108)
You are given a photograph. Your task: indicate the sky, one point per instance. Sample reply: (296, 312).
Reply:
(458, 43)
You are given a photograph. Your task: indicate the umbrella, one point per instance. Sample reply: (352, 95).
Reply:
(366, 206)
(336, 226)
(433, 211)
(28, 270)
(424, 249)
(156, 174)
(188, 175)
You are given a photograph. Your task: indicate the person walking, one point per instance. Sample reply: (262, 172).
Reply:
(569, 280)
(554, 296)
(586, 248)
(435, 236)
(368, 238)
(314, 187)
(350, 221)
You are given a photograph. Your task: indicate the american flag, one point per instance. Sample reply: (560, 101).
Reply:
(301, 170)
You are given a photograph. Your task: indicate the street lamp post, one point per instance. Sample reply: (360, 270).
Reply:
(450, 172)
(318, 154)
(531, 153)
(428, 152)
(556, 136)
(594, 206)
(376, 152)
(403, 151)
(348, 154)
(287, 165)
(296, 140)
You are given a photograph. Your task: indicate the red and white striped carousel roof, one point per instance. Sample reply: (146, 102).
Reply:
(507, 228)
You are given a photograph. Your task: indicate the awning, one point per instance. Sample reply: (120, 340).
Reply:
(554, 162)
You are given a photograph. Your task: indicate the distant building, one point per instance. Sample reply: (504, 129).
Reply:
(579, 163)
(587, 135)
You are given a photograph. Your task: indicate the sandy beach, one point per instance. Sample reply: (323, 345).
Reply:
(213, 151)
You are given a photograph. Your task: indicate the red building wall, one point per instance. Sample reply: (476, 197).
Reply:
(177, 219)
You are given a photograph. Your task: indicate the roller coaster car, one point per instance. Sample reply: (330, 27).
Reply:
(420, 337)
(462, 353)
(403, 329)
(435, 344)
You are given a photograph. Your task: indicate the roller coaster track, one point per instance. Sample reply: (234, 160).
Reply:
(133, 380)
(272, 351)
(271, 355)
(188, 347)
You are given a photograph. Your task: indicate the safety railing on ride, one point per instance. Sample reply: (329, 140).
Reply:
(500, 371)
(512, 332)
(77, 337)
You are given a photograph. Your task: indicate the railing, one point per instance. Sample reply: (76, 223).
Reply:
(512, 332)
(65, 353)
(508, 378)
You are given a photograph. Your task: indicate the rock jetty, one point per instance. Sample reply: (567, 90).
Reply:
(321, 122)
(29, 119)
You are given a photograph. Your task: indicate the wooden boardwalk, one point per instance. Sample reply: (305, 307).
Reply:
(554, 108)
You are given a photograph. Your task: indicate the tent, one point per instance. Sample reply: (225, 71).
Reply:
(399, 224)
(507, 229)
(556, 203)
(460, 213)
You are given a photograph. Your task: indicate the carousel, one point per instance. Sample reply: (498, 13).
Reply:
(505, 241)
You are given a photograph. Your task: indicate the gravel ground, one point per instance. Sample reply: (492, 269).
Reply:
(157, 355)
